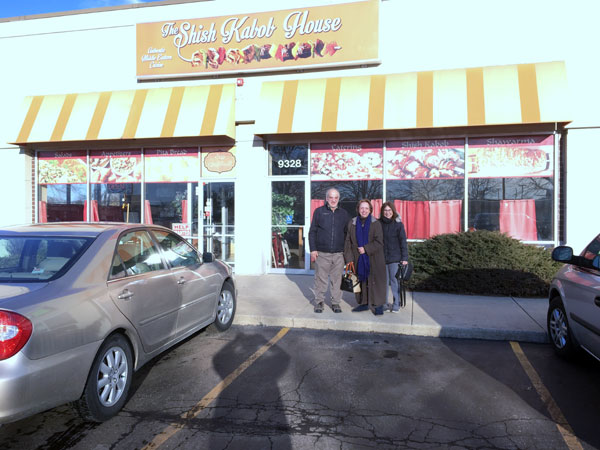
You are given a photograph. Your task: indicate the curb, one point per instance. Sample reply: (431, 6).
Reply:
(537, 337)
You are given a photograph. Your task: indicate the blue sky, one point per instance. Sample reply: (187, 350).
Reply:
(14, 8)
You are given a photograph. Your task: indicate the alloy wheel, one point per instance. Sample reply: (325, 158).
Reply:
(225, 307)
(112, 376)
(558, 328)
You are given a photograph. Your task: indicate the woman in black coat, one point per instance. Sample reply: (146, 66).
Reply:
(395, 248)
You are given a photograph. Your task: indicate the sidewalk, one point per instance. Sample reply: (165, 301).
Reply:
(286, 301)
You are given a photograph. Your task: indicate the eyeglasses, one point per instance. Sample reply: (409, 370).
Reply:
(387, 210)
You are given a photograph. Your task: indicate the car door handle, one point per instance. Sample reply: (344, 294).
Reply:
(597, 301)
(125, 294)
(181, 281)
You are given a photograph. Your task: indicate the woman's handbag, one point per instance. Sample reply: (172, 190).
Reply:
(350, 281)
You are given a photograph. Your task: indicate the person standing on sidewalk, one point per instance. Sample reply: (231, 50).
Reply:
(364, 246)
(326, 240)
(395, 249)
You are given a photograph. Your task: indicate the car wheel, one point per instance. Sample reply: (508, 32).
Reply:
(558, 329)
(225, 307)
(109, 380)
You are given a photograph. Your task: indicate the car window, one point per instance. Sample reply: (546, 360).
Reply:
(137, 255)
(27, 258)
(176, 250)
(592, 250)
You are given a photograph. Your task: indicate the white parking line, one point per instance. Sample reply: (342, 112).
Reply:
(172, 429)
(557, 416)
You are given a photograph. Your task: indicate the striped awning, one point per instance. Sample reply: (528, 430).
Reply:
(192, 111)
(515, 94)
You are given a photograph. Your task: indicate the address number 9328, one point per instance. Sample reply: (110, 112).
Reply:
(289, 163)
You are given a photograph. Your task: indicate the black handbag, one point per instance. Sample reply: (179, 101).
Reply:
(350, 281)
(403, 274)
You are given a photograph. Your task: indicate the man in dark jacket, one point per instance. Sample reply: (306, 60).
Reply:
(326, 240)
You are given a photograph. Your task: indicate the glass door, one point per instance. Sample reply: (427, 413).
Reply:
(218, 220)
(289, 227)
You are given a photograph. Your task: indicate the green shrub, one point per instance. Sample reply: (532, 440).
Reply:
(481, 262)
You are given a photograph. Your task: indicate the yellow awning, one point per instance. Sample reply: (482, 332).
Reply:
(177, 112)
(516, 94)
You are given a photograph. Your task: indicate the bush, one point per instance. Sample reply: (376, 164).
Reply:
(481, 262)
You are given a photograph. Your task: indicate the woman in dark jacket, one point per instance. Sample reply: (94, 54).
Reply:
(364, 246)
(395, 249)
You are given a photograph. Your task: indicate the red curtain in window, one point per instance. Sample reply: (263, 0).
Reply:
(184, 212)
(147, 212)
(444, 216)
(377, 202)
(314, 204)
(94, 216)
(42, 212)
(415, 215)
(518, 219)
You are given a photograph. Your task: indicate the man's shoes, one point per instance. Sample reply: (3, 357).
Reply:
(378, 310)
(395, 310)
(336, 308)
(319, 308)
(360, 308)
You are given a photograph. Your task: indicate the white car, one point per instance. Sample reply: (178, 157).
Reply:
(574, 311)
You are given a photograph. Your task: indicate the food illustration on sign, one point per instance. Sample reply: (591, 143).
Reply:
(115, 169)
(492, 161)
(214, 57)
(172, 168)
(426, 163)
(346, 165)
(219, 161)
(62, 171)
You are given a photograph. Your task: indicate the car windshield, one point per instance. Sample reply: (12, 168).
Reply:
(39, 258)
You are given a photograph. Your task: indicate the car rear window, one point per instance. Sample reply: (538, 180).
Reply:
(31, 259)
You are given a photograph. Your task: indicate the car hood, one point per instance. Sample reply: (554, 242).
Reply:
(14, 290)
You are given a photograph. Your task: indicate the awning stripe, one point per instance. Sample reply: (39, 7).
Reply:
(330, 109)
(32, 113)
(63, 117)
(424, 99)
(172, 112)
(530, 108)
(514, 94)
(137, 114)
(475, 97)
(288, 103)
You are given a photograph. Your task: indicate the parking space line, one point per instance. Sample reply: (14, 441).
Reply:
(172, 429)
(557, 416)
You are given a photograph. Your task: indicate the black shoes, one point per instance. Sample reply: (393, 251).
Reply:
(336, 308)
(319, 308)
(360, 308)
(378, 311)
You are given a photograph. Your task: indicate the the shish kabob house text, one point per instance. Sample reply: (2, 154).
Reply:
(235, 30)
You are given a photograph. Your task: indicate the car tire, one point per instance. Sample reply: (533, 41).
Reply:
(108, 382)
(559, 330)
(226, 306)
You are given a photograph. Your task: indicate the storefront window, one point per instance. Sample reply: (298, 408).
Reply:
(355, 170)
(115, 184)
(171, 176)
(425, 180)
(62, 178)
(287, 224)
(511, 186)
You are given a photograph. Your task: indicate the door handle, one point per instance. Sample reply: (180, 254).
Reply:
(126, 294)
(597, 301)
(181, 281)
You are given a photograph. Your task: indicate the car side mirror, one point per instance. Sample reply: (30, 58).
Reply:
(562, 254)
(208, 257)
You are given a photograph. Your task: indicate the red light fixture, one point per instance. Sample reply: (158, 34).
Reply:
(15, 331)
(240, 82)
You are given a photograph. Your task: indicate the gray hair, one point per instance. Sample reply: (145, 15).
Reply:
(329, 190)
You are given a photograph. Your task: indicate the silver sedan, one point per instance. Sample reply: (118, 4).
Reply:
(83, 306)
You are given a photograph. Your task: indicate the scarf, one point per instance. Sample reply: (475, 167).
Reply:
(362, 238)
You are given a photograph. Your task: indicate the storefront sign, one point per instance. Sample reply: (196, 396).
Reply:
(64, 167)
(342, 34)
(361, 161)
(115, 166)
(218, 162)
(184, 229)
(516, 156)
(425, 159)
(172, 165)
